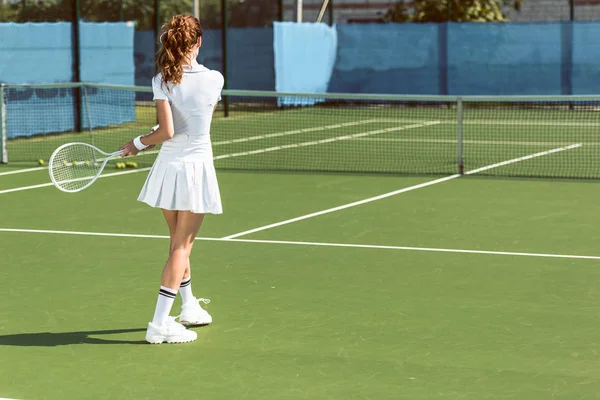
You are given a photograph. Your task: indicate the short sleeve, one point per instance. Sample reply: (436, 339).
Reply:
(159, 89)
(219, 83)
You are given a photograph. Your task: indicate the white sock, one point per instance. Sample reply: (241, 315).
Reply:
(166, 297)
(186, 290)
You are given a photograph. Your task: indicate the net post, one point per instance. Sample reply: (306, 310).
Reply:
(3, 134)
(76, 65)
(88, 112)
(224, 38)
(459, 127)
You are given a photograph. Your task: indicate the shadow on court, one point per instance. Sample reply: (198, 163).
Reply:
(67, 338)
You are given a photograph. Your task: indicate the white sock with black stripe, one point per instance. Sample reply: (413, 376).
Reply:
(166, 297)
(186, 290)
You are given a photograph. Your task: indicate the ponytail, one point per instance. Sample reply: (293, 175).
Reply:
(178, 38)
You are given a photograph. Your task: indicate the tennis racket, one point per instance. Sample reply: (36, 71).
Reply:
(75, 166)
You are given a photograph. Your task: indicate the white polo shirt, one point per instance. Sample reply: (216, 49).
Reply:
(193, 100)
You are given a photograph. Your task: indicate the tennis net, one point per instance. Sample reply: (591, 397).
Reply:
(548, 136)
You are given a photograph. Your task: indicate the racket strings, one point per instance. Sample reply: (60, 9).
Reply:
(74, 167)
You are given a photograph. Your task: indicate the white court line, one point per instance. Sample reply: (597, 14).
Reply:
(328, 140)
(299, 243)
(514, 160)
(19, 189)
(269, 149)
(486, 142)
(512, 122)
(342, 207)
(247, 139)
(408, 189)
(20, 171)
(529, 123)
(297, 131)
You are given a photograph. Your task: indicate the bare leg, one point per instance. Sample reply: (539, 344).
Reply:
(186, 226)
(171, 219)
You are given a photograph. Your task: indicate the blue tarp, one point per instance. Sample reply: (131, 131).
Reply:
(304, 58)
(41, 53)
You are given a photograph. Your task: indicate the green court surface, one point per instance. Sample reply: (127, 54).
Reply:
(370, 301)
(351, 261)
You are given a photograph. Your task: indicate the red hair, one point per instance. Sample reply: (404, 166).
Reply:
(178, 37)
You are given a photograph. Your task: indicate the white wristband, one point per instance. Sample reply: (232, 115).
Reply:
(137, 142)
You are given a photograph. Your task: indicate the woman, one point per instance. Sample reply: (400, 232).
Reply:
(182, 181)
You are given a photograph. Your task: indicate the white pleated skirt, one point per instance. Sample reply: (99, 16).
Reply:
(183, 177)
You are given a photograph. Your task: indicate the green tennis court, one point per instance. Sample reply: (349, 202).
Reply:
(415, 283)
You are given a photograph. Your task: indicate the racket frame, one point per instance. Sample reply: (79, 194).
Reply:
(108, 157)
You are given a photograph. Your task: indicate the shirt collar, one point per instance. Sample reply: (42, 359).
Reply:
(195, 68)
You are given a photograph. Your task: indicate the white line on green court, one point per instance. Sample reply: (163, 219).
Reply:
(529, 157)
(19, 189)
(300, 243)
(342, 207)
(20, 171)
(404, 190)
(508, 122)
(296, 132)
(482, 142)
(251, 138)
(328, 140)
(264, 150)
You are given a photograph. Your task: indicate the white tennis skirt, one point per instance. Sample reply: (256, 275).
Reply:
(183, 177)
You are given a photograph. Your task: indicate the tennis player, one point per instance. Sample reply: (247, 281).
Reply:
(182, 181)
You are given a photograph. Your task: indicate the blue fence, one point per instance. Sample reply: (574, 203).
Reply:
(41, 53)
(387, 58)
(250, 57)
(453, 58)
(468, 59)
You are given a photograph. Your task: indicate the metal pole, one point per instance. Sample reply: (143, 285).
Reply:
(572, 10)
(76, 67)
(3, 134)
(196, 9)
(323, 9)
(298, 10)
(280, 10)
(331, 19)
(120, 10)
(224, 28)
(459, 116)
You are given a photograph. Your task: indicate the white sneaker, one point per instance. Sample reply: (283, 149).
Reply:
(170, 331)
(193, 314)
